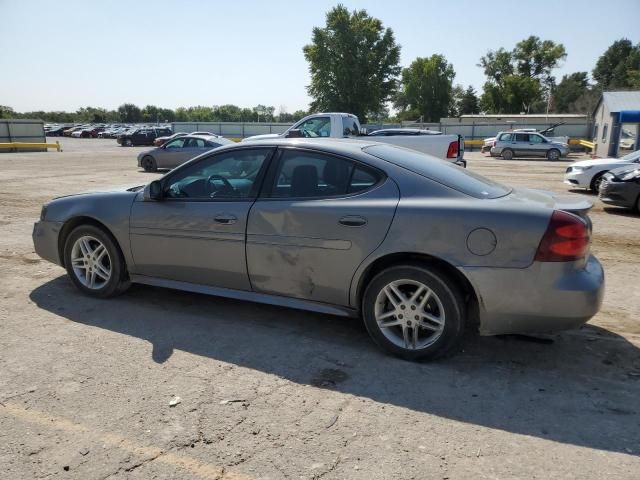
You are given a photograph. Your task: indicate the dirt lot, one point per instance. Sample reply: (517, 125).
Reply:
(271, 393)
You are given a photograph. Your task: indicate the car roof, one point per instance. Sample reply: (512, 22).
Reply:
(336, 145)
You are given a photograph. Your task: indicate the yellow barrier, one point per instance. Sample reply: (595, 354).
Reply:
(56, 145)
(584, 143)
(473, 142)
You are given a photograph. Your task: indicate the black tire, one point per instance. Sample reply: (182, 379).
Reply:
(446, 291)
(127, 142)
(595, 182)
(553, 154)
(507, 154)
(118, 281)
(149, 164)
(638, 204)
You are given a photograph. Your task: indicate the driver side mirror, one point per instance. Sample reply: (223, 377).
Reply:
(153, 191)
(294, 133)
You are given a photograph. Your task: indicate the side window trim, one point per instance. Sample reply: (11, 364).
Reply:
(260, 178)
(268, 182)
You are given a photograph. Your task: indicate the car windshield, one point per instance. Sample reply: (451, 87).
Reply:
(443, 172)
(629, 157)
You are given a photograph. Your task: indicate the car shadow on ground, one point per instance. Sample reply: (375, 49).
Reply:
(623, 212)
(581, 389)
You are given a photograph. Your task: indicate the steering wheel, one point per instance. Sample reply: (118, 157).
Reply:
(305, 133)
(211, 186)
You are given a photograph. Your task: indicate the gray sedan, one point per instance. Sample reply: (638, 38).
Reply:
(417, 247)
(177, 151)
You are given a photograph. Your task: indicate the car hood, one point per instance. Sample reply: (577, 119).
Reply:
(118, 189)
(568, 203)
(262, 137)
(597, 161)
(622, 171)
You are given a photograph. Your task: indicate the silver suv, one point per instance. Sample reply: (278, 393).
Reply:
(527, 144)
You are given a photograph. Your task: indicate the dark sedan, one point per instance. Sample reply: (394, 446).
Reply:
(621, 187)
(142, 136)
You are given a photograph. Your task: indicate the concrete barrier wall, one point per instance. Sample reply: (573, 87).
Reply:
(470, 129)
(18, 130)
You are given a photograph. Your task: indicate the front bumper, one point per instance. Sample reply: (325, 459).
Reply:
(45, 240)
(617, 193)
(545, 297)
(577, 179)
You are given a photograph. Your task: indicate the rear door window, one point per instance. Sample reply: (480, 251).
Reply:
(522, 137)
(446, 173)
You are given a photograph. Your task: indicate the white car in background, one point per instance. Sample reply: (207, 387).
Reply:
(588, 173)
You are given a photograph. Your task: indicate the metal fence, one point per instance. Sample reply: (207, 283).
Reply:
(26, 131)
(470, 129)
(231, 129)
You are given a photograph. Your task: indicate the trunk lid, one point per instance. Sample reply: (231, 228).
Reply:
(558, 201)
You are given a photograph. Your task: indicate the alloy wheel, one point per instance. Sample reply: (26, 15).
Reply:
(91, 262)
(409, 314)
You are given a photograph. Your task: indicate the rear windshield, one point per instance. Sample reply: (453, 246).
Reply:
(446, 173)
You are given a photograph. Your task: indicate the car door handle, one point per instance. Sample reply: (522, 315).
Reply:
(225, 219)
(353, 221)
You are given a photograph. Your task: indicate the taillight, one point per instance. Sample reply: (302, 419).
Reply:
(566, 239)
(452, 151)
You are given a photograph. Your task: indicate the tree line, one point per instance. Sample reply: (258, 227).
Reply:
(130, 113)
(354, 64)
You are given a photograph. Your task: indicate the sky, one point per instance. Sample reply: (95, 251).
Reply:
(73, 53)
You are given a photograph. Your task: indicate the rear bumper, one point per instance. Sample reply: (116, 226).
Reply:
(45, 240)
(545, 297)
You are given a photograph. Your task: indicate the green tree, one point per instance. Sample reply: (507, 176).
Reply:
(465, 102)
(618, 67)
(568, 91)
(353, 62)
(520, 79)
(130, 113)
(7, 112)
(426, 89)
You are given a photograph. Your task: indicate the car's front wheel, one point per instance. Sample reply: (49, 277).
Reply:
(94, 262)
(414, 312)
(507, 154)
(596, 182)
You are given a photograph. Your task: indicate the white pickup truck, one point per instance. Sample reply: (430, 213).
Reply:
(346, 125)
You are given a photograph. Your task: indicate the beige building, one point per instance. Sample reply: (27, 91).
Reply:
(616, 124)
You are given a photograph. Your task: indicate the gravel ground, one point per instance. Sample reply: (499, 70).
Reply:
(271, 393)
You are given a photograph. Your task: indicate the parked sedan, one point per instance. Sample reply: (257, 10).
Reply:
(416, 246)
(590, 173)
(178, 151)
(522, 144)
(621, 187)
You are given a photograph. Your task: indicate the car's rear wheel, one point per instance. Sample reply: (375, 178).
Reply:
(596, 181)
(94, 262)
(507, 154)
(414, 312)
(553, 154)
(149, 164)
